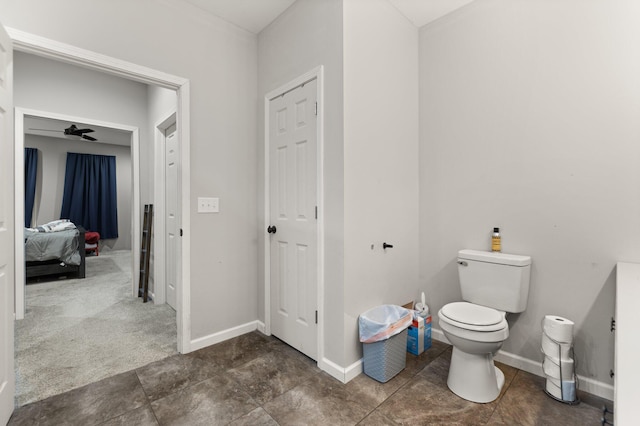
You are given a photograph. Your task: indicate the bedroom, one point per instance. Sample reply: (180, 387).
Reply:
(60, 159)
(46, 89)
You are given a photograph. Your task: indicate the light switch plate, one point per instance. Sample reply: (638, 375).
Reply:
(208, 205)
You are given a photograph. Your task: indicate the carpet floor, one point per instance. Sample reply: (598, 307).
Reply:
(79, 331)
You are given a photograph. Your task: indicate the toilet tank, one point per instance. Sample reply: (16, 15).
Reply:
(493, 279)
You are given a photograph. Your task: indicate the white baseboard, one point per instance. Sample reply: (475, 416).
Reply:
(262, 328)
(221, 336)
(343, 374)
(439, 336)
(519, 362)
(353, 370)
(594, 387)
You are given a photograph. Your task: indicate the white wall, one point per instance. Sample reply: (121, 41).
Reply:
(219, 59)
(50, 86)
(380, 161)
(307, 35)
(529, 121)
(52, 161)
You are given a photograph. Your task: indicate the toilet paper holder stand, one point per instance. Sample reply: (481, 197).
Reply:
(573, 373)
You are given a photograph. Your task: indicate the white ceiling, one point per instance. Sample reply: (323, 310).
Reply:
(255, 15)
(55, 129)
(421, 12)
(252, 15)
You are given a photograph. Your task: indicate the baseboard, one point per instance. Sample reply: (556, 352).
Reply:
(333, 369)
(585, 384)
(343, 374)
(221, 336)
(262, 328)
(352, 371)
(595, 387)
(439, 336)
(519, 362)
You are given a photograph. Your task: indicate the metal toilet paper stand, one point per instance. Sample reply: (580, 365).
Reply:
(573, 373)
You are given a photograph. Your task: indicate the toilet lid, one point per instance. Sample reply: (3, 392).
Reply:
(474, 315)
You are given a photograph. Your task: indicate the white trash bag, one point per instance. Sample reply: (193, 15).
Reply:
(382, 322)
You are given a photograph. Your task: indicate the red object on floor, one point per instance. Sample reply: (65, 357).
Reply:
(91, 237)
(91, 240)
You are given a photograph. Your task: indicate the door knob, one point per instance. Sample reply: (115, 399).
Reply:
(386, 246)
(271, 229)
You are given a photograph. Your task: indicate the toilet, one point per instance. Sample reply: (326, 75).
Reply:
(492, 285)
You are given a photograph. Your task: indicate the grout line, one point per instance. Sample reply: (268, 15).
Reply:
(413, 376)
(153, 412)
(503, 393)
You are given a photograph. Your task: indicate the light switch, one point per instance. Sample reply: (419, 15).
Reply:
(208, 205)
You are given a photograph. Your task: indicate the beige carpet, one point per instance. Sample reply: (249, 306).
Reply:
(80, 331)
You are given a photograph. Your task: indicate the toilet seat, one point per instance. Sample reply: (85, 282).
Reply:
(469, 316)
(496, 333)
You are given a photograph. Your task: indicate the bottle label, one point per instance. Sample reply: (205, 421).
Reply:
(495, 244)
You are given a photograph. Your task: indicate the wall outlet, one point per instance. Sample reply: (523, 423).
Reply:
(208, 205)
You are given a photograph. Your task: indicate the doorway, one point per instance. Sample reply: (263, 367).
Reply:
(28, 43)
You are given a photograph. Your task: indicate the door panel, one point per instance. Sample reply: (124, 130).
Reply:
(293, 247)
(171, 220)
(7, 281)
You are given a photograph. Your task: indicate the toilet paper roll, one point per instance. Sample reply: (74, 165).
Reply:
(565, 391)
(558, 369)
(554, 389)
(555, 350)
(556, 382)
(558, 328)
(569, 390)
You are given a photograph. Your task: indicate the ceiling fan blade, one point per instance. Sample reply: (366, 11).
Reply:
(46, 130)
(89, 138)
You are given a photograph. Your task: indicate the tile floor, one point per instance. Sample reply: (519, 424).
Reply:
(257, 380)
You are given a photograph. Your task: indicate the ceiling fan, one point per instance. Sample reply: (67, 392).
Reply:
(73, 131)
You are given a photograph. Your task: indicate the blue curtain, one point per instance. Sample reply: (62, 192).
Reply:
(30, 173)
(89, 197)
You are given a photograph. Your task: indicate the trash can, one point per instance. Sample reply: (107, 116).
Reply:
(383, 333)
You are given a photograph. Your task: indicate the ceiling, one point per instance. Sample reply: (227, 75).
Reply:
(252, 15)
(55, 129)
(421, 12)
(255, 15)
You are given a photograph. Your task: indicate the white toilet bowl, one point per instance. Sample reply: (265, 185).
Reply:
(476, 333)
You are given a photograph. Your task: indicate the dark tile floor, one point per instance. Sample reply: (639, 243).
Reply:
(258, 380)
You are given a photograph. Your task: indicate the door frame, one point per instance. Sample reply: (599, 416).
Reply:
(318, 75)
(159, 177)
(19, 138)
(40, 46)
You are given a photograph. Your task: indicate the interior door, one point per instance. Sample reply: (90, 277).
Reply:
(293, 222)
(171, 220)
(7, 382)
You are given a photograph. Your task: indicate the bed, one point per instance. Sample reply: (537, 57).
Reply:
(55, 252)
